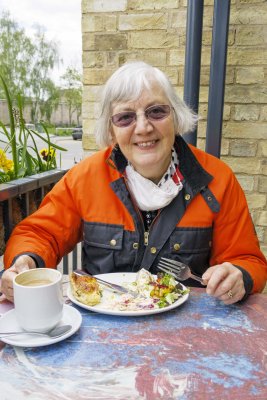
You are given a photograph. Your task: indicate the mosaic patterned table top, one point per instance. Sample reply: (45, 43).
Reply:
(201, 350)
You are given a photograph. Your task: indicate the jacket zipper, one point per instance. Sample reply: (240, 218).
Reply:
(146, 233)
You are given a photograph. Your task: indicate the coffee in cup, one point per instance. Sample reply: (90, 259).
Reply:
(38, 299)
(36, 282)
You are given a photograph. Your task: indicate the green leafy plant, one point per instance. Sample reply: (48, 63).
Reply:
(20, 144)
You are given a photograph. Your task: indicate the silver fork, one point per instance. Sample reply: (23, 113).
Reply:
(177, 269)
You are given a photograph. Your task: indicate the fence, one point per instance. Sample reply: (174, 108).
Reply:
(21, 197)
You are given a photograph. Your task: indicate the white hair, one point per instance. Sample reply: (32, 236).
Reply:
(126, 84)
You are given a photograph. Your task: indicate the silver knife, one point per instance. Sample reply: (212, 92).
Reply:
(113, 286)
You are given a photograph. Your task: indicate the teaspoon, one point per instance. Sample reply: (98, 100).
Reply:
(54, 333)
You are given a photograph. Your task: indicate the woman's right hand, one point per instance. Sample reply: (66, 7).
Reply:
(22, 263)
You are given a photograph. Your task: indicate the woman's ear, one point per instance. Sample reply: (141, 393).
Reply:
(112, 137)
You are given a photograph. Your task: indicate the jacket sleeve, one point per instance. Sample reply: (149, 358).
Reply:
(52, 231)
(235, 239)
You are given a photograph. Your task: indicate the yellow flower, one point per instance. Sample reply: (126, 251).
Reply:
(46, 156)
(5, 164)
(52, 152)
(9, 166)
(43, 152)
(2, 155)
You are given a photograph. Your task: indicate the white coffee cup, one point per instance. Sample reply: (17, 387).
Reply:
(38, 299)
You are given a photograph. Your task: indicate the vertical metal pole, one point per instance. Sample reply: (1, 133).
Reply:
(8, 217)
(39, 195)
(217, 76)
(25, 204)
(66, 264)
(193, 60)
(75, 258)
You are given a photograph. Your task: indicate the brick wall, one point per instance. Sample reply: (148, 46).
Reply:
(154, 31)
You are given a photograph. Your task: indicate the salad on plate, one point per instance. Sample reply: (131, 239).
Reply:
(153, 292)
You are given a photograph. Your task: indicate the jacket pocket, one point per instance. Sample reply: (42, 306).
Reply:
(102, 250)
(192, 246)
(191, 240)
(103, 235)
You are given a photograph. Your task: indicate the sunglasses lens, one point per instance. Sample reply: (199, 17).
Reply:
(156, 113)
(123, 119)
(153, 113)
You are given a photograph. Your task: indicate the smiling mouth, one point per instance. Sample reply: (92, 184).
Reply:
(146, 144)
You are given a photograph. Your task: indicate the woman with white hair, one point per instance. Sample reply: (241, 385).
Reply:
(145, 195)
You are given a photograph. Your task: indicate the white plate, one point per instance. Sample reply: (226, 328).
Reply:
(8, 322)
(120, 279)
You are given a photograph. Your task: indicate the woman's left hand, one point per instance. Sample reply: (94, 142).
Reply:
(225, 282)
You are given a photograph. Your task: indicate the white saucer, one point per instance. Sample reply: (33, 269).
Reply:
(8, 322)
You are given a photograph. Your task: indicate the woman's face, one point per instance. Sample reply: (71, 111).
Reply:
(146, 144)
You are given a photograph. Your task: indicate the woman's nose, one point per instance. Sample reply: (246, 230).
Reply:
(142, 124)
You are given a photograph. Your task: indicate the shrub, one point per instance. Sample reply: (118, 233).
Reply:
(20, 156)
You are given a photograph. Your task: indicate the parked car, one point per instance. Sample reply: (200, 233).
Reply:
(30, 126)
(77, 133)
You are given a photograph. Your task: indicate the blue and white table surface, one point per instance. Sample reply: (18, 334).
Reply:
(201, 350)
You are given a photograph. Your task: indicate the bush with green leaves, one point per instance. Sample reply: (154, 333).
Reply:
(20, 156)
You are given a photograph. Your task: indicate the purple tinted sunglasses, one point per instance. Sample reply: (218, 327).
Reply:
(153, 113)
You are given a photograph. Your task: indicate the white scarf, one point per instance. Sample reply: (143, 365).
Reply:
(150, 196)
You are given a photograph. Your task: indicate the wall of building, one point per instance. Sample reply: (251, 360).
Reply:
(60, 117)
(154, 31)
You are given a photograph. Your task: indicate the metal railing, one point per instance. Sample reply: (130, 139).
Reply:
(21, 197)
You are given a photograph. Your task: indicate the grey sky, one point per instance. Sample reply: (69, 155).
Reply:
(61, 20)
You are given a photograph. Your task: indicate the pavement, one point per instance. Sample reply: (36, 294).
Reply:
(74, 153)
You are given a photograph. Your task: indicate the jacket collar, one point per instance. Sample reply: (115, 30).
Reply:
(195, 176)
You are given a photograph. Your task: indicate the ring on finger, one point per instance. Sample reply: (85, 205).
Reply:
(230, 294)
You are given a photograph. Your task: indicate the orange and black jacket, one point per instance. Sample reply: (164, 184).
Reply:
(207, 224)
